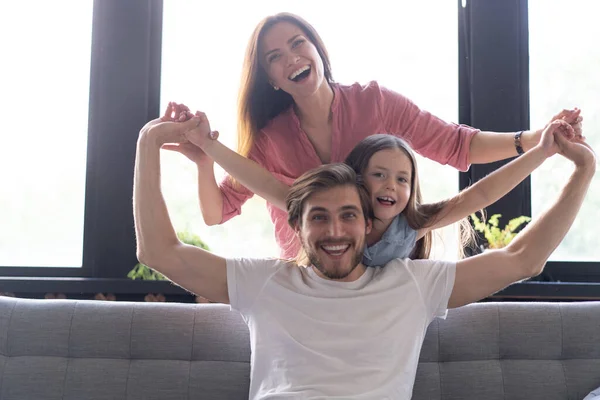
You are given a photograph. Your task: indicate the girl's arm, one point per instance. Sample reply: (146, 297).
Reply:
(494, 186)
(210, 196)
(248, 172)
(203, 148)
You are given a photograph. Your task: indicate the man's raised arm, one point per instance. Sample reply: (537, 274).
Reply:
(158, 247)
(482, 275)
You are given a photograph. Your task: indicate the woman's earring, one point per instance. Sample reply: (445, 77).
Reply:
(275, 87)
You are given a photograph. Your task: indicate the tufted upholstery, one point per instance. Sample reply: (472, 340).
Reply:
(512, 351)
(64, 349)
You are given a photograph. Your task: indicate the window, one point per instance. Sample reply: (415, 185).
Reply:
(407, 46)
(564, 74)
(44, 107)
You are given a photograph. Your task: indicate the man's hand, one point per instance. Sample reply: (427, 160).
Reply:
(559, 137)
(194, 139)
(572, 117)
(171, 129)
(578, 151)
(556, 128)
(160, 131)
(180, 113)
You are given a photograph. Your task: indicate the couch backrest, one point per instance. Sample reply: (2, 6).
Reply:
(66, 349)
(512, 351)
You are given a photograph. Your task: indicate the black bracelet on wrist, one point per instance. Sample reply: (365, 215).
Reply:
(518, 143)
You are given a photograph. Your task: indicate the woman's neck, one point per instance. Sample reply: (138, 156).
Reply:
(377, 231)
(315, 110)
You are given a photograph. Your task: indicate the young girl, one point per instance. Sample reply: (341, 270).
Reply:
(402, 226)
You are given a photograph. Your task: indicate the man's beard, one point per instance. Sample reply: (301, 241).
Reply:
(336, 273)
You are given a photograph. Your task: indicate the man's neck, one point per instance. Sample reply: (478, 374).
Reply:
(351, 277)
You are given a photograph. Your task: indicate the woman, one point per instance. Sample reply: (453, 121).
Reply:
(293, 117)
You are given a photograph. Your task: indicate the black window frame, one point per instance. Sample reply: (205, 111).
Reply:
(494, 96)
(125, 94)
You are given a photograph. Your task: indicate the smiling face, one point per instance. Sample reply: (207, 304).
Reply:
(388, 178)
(333, 230)
(291, 60)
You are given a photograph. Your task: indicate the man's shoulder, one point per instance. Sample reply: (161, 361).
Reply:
(247, 279)
(255, 272)
(395, 267)
(408, 264)
(398, 262)
(419, 272)
(423, 261)
(264, 263)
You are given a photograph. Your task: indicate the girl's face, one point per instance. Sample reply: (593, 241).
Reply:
(388, 178)
(291, 61)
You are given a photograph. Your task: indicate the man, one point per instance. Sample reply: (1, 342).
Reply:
(333, 328)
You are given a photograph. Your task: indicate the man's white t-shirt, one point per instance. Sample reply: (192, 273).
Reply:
(314, 338)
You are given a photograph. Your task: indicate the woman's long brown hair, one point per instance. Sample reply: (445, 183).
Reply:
(258, 102)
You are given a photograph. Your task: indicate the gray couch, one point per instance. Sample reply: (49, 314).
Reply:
(66, 349)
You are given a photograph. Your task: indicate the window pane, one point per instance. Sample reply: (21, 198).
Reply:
(46, 48)
(564, 74)
(404, 45)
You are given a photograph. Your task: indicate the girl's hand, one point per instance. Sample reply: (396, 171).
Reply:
(176, 112)
(180, 115)
(202, 135)
(191, 151)
(555, 128)
(162, 130)
(573, 117)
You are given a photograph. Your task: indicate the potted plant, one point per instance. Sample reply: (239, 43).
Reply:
(497, 238)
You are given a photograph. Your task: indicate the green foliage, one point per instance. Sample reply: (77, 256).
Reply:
(496, 237)
(192, 239)
(143, 272)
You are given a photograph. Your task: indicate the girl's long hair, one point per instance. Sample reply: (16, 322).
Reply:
(418, 215)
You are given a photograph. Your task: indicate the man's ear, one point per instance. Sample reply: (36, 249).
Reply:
(369, 226)
(297, 229)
